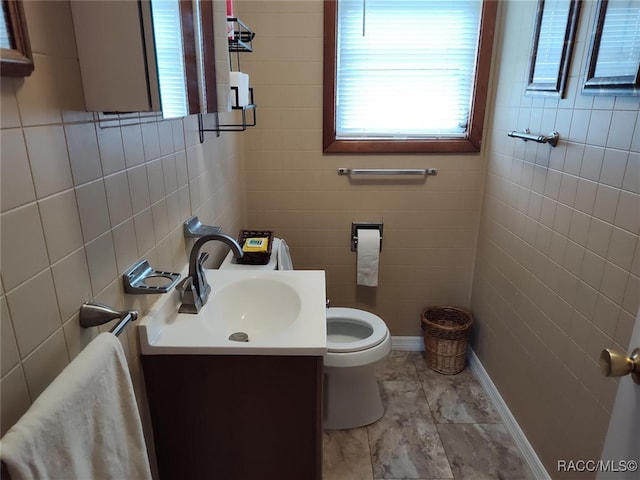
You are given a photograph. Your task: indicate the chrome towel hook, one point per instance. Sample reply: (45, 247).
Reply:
(95, 314)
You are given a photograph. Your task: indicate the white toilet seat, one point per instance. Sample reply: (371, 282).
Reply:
(362, 322)
(362, 353)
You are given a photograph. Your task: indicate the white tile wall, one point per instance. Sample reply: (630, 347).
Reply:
(61, 224)
(23, 247)
(33, 321)
(566, 278)
(81, 201)
(17, 184)
(73, 285)
(83, 152)
(49, 159)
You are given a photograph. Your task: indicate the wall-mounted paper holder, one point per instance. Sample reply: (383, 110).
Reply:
(355, 226)
(551, 139)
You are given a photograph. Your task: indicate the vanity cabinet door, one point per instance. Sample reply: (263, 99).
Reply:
(233, 417)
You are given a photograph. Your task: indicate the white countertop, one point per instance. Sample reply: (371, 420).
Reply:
(296, 327)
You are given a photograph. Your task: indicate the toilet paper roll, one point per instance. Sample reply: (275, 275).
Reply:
(240, 80)
(368, 256)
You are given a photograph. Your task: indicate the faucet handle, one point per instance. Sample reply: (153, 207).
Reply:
(191, 302)
(204, 256)
(186, 283)
(203, 287)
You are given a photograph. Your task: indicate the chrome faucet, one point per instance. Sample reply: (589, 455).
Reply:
(195, 287)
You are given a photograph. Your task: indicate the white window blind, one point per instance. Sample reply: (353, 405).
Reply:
(553, 28)
(167, 33)
(405, 68)
(5, 36)
(619, 52)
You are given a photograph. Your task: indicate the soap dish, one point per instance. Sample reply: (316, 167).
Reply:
(255, 258)
(142, 279)
(193, 228)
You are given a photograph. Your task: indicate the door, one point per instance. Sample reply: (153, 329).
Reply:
(622, 445)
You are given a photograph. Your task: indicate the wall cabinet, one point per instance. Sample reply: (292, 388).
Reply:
(150, 55)
(236, 417)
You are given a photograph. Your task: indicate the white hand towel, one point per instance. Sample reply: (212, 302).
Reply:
(284, 257)
(85, 425)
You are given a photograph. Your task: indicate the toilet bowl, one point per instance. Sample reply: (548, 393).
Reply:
(357, 341)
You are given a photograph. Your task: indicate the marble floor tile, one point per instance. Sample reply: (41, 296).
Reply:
(435, 427)
(457, 398)
(346, 455)
(398, 366)
(405, 442)
(483, 452)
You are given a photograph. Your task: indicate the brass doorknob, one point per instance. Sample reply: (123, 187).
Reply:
(616, 364)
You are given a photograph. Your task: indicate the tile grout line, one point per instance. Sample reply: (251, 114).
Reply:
(435, 423)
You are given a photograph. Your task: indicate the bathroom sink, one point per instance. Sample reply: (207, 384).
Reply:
(278, 312)
(256, 306)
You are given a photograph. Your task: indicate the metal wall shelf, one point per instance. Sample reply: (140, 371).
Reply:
(242, 36)
(247, 113)
(240, 42)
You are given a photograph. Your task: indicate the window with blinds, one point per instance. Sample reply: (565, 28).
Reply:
(405, 72)
(614, 64)
(406, 67)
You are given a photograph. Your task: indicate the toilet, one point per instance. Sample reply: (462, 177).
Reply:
(357, 341)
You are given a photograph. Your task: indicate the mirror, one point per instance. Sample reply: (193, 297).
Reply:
(15, 51)
(614, 57)
(553, 37)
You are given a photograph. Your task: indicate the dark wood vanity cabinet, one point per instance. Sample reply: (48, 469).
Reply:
(233, 417)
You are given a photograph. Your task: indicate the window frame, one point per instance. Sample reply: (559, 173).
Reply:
(17, 61)
(473, 141)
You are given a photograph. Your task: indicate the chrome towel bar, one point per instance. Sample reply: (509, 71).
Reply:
(387, 171)
(551, 139)
(94, 314)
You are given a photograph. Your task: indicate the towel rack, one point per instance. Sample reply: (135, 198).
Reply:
(387, 171)
(94, 314)
(551, 139)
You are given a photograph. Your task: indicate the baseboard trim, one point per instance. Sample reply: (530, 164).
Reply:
(407, 344)
(508, 419)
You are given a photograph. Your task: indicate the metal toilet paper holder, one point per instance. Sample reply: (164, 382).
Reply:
(355, 226)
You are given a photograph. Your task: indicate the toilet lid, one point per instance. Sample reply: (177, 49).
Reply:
(353, 330)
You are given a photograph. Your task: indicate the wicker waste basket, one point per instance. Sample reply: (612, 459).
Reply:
(446, 333)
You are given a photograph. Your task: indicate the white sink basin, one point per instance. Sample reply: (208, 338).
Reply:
(256, 306)
(281, 312)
